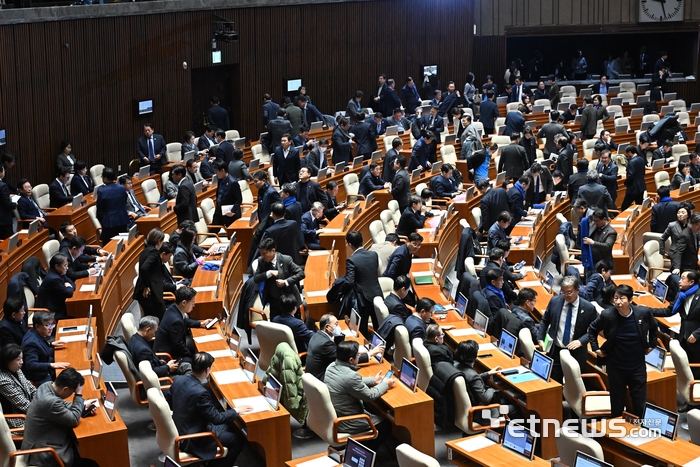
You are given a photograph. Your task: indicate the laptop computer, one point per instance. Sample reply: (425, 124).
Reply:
(353, 324)
(537, 266)
(33, 228)
(585, 460)
(585, 92)
(519, 439)
(250, 365)
(502, 100)
(96, 371)
(537, 109)
(615, 90)
(322, 173)
(316, 126)
(461, 305)
(77, 201)
(695, 107)
(685, 187)
(562, 106)
(666, 109)
(656, 358)
(188, 156)
(377, 341)
(646, 125)
(658, 163)
(254, 164)
(340, 167)
(357, 162)
(13, 243)
(642, 274)
(685, 157)
(144, 171)
(132, 234)
(272, 392)
(198, 187)
(357, 455)
(449, 139)
(368, 202)
(376, 156)
(110, 404)
(507, 343)
(548, 281)
(541, 365)
(531, 123)
(481, 323)
(392, 130)
(660, 421)
(616, 101)
(642, 99)
(436, 168)
(578, 118)
(415, 175)
(636, 112)
(409, 375)
(500, 178)
(622, 148)
(659, 290)
(239, 143)
(447, 286)
(670, 96)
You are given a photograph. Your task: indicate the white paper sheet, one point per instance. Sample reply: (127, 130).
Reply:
(208, 338)
(463, 332)
(636, 441)
(483, 347)
(422, 273)
(693, 463)
(329, 231)
(523, 284)
(220, 353)
(226, 208)
(319, 253)
(421, 260)
(317, 293)
(622, 277)
(74, 338)
(476, 443)
(87, 288)
(206, 288)
(230, 376)
(673, 319)
(324, 461)
(84, 372)
(258, 403)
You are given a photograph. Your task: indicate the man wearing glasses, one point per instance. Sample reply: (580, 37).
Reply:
(566, 322)
(39, 366)
(435, 344)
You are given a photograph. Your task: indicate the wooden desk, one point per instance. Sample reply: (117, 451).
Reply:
(297, 462)
(230, 283)
(100, 439)
(11, 264)
(621, 451)
(269, 433)
(115, 294)
(317, 283)
(493, 455)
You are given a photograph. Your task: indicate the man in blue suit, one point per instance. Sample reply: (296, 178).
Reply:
(420, 157)
(269, 109)
(217, 115)
(395, 300)
(286, 162)
(410, 94)
(151, 149)
(399, 263)
(566, 322)
(412, 218)
(433, 123)
(309, 112)
(516, 199)
(450, 100)
(140, 348)
(286, 233)
(389, 100)
(635, 178)
(310, 227)
(56, 287)
(493, 202)
(196, 411)
(111, 206)
(498, 229)
(39, 366)
(174, 330)
(380, 125)
(489, 113)
(364, 137)
(444, 186)
(594, 286)
(267, 195)
(302, 334)
(515, 121)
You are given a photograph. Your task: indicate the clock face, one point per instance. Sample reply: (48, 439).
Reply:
(660, 10)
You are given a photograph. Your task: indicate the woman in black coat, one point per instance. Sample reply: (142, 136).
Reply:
(529, 142)
(185, 262)
(149, 285)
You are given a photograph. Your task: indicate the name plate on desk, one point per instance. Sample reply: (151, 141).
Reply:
(74, 338)
(463, 332)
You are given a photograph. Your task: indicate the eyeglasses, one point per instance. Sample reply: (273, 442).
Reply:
(568, 293)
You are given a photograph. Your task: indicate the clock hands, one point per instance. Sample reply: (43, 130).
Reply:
(663, 8)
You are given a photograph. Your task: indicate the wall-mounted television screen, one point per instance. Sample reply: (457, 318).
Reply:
(144, 106)
(3, 137)
(293, 85)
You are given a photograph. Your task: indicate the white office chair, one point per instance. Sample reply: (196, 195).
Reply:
(10, 456)
(568, 442)
(376, 231)
(526, 343)
(422, 362)
(678, 150)
(683, 118)
(627, 97)
(448, 154)
(128, 324)
(501, 140)
(420, 187)
(617, 110)
(41, 196)
(476, 216)
(402, 345)
(478, 126)
(387, 219)
(661, 178)
(96, 174)
(512, 106)
(588, 147)
(627, 86)
(208, 208)
(568, 100)
(545, 102)
(393, 206)
(246, 192)
(49, 249)
(568, 89)
(135, 387)
(259, 152)
(150, 379)
(585, 404)
(686, 385)
(380, 310)
(694, 425)
(92, 214)
(409, 456)
(388, 141)
(387, 285)
(150, 192)
(500, 121)
(352, 187)
(564, 258)
(232, 134)
(269, 335)
(654, 262)
(651, 118)
(678, 105)
(173, 151)
(464, 410)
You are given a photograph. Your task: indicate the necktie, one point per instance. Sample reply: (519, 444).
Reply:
(379, 127)
(151, 152)
(85, 180)
(432, 121)
(567, 326)
(41, 213)
(63, 188)
(136, 204)
(537, 189)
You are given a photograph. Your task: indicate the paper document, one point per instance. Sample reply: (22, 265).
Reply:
(206, 288)
(463, 332)
(422, 273)
(87, 288)
(329, 231)
(230, 376)
(421, 260)
(226, 208)
(636, 440)
(673, 319)
(324, 461)
(476, 443)
(220, 353)
(319, 253)
(523, 284)
(208, 338)
(694, 463)
(621, 277)
(14, 198)
(84, 372)
(483, 347)
(258, 403)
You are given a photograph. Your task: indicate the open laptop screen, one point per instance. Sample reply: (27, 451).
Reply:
(660, 420)
(481, 323)
(409, 374)
(461, 304)
(541, 365)
(656, 358)
(273, 391)
(519, 439)
(642, 273)
(538, 264)
(660, 290)
(507, 343)
(584, 460)
(357, 455)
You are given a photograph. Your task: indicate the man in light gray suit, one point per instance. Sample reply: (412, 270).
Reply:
(50, 420)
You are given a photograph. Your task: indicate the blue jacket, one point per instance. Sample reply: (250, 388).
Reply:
(399, 263)
(309, 226)
(27, 209)
(140, 351)
(111, 206)
(420, 155)
(635, 175)
(442, 187)
(302, 334)
(594, 286)
(416, 327)
(38, 357)
(496, 233)
(267, 196)
(172, 334)
(370, 183)
(489, 114)
(53, 293)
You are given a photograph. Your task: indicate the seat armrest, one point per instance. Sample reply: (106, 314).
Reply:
(29, 452)
(656, 268)
(254, 311)
(479, 408)
(210, 234)
(596, 377)
(165, 379)
(573, 251)
(165, 355)
(138, 393)
(203, 434)
(362, 416)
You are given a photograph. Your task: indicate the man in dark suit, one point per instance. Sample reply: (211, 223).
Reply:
(496, 261)
(228, 193)
(151, 149)
(308, 191)
(39, 366)
(499, 229)
(493, 202)
(635, 178)
(81, 182)
(578, 179)
(174, 330)
(140, 348)
(388, 170)
(322, 348)
(489, 113)
(389, 99)
(516, 199)
(277, 274)
(309, 112)
(286, 233)
(58, 192)
(663, 212)
(515, 121)
(450, 100)
(596, 194)
(217, 115)
(207, 139)
(372, 180)
(276, 129)
(317, 159)
(398, 120)
(435, 345)
(186, 201)
(518, 90)
(494, 295)
(601, 239)
(395, 300)
(549, 131)
(267, 195)
(411, 96)
(310, 227)
(364, 137)
(443, 185)
(302, 334)
(594, 285)
(196, 411)
(626, 343)
(286, 162)
(269, 109)
(361, 276)
(418, 322)
(541, 186)
(26, 206)
(565, 160)
(401, 185)
(588, 119)
(111, 202)
(433, 123)
(379, 125)
(420, 156)
(77, 268)
(513, 158)
(225, 147)
(331, 208)
(684, 255)
(134, 208)
(399, 263)
(566, 322)
(342, 144)
(412, 218)
(13, 325)
(608, 173)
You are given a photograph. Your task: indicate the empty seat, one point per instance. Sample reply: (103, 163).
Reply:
(627, 86)
(678, 105)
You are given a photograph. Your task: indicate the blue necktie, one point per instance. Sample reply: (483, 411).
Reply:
(151, 152)
(567, 326)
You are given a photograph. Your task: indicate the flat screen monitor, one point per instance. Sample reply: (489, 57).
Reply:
(660, 420)
(519, 439)
(584, 460)
(376, 156)
(660, 290)
(234, 341)
(538, 265)
(132, 234)
(144, 171)
(541, 365)
(549, 281)
(461, 304)
(500, 178)
(33, 228)
(77, 200)
(88, 327)
(315, 126)
(110, 403)
(170, 463)
(642, 274)
(340, 167)
(392, 130)
(3, 137)
(357, 455)
(409, 374)
(377, 341)
(656, 358)
(430, 70)
(293, 85)
(357, 162)
(507, 343)
(447, 287)
(354, 323)
(436, 168)
(254, 164)
(415, 175)
(273, 392)
(13, 243)
(189, 155)
(96, 371)
(481, 323)
(250, 365)
(145, 106)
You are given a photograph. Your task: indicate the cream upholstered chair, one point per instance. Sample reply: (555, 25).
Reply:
(477, 126)
(688, 387)
(259, 152)
(393, 206)
(387, 218)
(568, 100)
(322, 418)
(476, 216)
(96, 174)
(387, 285)
(526, 343)
(661, 178)
(678, 150)
(409, 456)
(501, 140)
(9, 455)
(232, 134)
(388, 141)
(545, 102)
(167, 436)
(464, 410)
(569, 441)
(622, 121)
(627, 97)
(150, 192)
(694, 425)
(151, 380)
(269, 335)
(40, 193)
(173, 151)
(568, 89)
(49, 249)
(128, 324)
(380, 310)
(208, 208)
(678, 105)
(448, 154)
(628, 86)
(655, 262)
(584, 403)
(512, 106)
(651, 118)
(500, 121)
(246, 192)
(615, 110)
(352, 187)
(422, 362)
(402, 345)
(564, 257)
(683, 118)
(376, 231)
(588, 147)
(420, 187)
(92, 214)
(135, 387)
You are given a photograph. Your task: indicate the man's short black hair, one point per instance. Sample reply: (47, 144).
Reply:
(664, 191)
(493, 275)
(267, 244)
(354, 238)
(424, 304)
(402, 282)
(201, 361)
(184, 294)
(77, 242)
(288, 303)
(347, 350)
(12, 305)
(70, 378)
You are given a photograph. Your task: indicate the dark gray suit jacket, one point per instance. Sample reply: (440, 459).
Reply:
(186, 202)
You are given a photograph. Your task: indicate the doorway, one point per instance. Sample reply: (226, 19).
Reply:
(221, 81)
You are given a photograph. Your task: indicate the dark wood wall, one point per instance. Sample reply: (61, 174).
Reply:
(78, 78)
